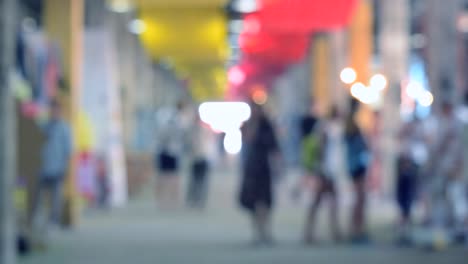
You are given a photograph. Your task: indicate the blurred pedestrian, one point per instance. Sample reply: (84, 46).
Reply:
(200, 165)
(170, 146)
(324, 165)
(376, 147)
(309, 145)
(448, 209)
(412, 156)
(56, 155)
(358, 159)
(102, 183)
(260, 147)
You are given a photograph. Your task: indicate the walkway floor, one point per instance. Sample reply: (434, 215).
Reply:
(141, 234)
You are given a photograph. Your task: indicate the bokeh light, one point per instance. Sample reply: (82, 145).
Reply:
(260, 97)
(348, 75)
(224, 116)
(236, 75)
(137, 26)
(378, 82)
(414, 90)
(233, 142)
(426, 99)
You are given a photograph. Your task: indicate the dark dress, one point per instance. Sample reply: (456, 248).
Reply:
(259, 142)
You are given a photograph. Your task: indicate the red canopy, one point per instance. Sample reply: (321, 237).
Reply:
(304, 16)
(279, 34)
(276, 49)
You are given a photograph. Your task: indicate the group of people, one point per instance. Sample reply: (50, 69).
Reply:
(322, 141)
(429, 169)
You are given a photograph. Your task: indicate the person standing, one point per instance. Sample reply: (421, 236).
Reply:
(256, 195)
(199, 175)
(444, 171)
(170, 144)
(358, 158)
(412, 156)
(308, 146)
(330, 138)
(56, 154)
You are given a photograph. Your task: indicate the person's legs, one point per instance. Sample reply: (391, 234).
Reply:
(358, 215)
(202, 189)
(38, 202)
(309, 230)
(192, 187)
(262, 223)
(334, 212)
(405, 196)
(199, 183)
(173, 190)
(57, 201)
(164, 189)
(459, 204)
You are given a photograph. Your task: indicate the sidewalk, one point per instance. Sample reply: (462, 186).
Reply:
(142, 234)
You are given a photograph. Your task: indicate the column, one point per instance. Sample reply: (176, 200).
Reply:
(360, 57)
(64, 20)
(7, 134)
(321, 75)
(442, 49)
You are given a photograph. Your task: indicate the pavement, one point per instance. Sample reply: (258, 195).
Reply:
(142, 233)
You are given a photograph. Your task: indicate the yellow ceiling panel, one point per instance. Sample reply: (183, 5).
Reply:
(185, 34)
(206, 82)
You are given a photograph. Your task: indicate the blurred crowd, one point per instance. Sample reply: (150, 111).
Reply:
(429, 171)
(430, 187)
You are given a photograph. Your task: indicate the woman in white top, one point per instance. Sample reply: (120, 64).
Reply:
(330, 134)
(169, 147)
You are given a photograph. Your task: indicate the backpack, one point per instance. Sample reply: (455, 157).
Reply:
(311, 152)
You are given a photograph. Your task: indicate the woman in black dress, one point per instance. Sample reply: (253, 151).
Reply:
(256, 195)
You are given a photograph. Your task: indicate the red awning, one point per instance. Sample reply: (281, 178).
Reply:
(304, 16)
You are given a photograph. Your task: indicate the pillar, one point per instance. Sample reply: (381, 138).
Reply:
(360, 40)
(442, 49)
(7, 134)
(63, 20)
(360, 57)
(321, 74)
